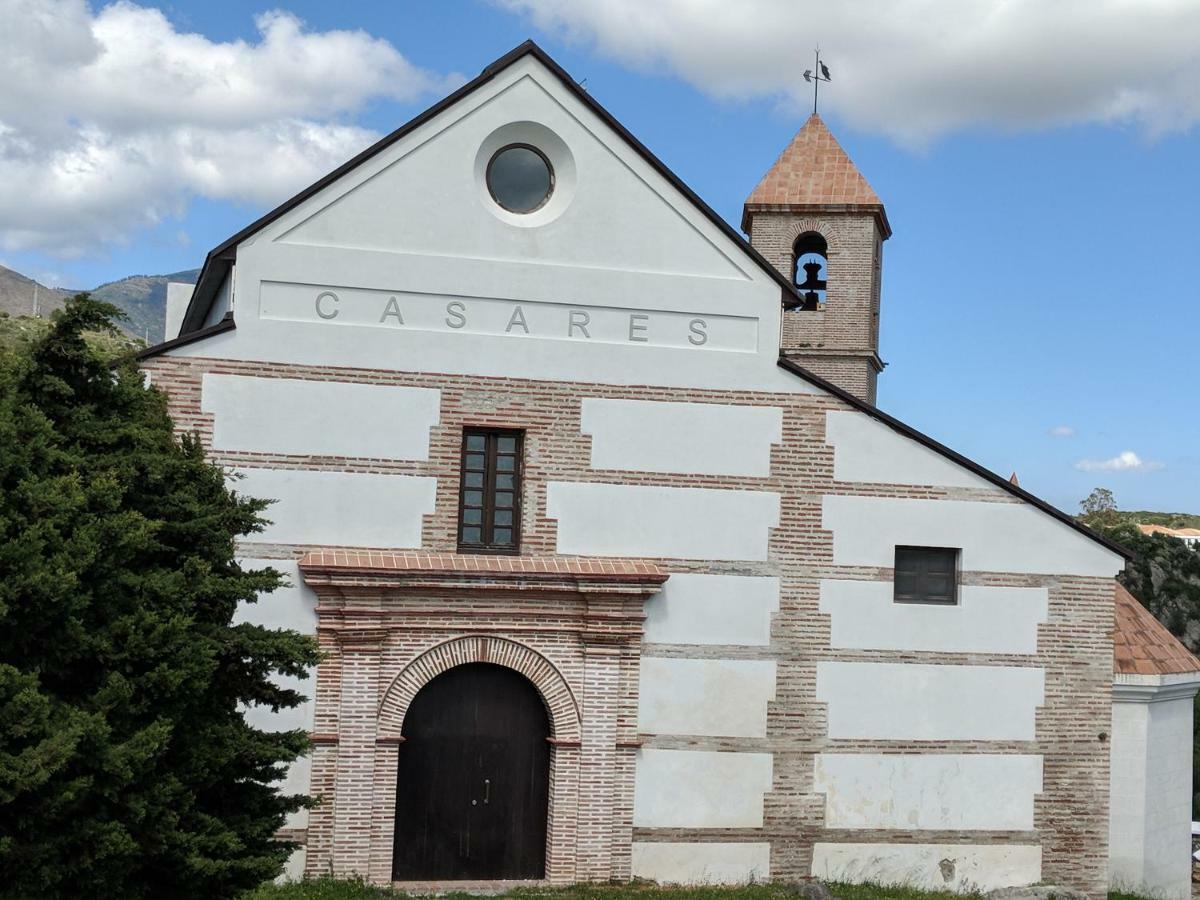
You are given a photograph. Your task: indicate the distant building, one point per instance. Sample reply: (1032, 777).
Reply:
(1190, 536)
(616, 567)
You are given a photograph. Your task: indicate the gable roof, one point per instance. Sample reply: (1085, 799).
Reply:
(221, 258)
(970, 465)
(1142, 646)
(814, 173)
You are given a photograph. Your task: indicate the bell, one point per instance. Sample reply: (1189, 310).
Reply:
(811, 281)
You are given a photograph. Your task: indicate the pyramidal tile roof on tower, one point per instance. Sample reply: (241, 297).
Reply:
(814, 172)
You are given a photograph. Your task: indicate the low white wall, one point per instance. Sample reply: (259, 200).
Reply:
(696, 863)
(697, 438)
(1151, 786)
(700, 789)
(985, 620)
(994, 537)
(666, 522)
(712, 697)
(327, 418)
(713, 609)
(910, 701)
(954, 867)
(348, 509)
(935, 791)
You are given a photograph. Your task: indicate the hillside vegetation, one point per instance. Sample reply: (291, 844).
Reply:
(142, 298)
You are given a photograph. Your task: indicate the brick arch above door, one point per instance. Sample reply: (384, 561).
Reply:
(563, 710)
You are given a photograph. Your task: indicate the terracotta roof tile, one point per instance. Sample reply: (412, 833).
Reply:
(1142, 646)
(814, 170)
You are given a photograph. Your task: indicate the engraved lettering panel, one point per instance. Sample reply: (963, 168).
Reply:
(560, 321)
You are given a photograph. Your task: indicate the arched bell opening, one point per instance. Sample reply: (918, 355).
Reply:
(473, 779)
(810, 255)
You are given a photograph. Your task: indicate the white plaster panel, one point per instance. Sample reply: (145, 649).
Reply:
(700, 789)
(695, 438)
(331, 418)
(864, 616)
(685, 523)
(292, 606)
(909, 701)
(867, 450)
(936, 867)
(994, 537)
(339, 508)
(713, 609)
(949, 792)
(701, 863)
(712, 697)
(178, 297)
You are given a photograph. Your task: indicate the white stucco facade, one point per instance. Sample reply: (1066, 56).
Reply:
(769, 710)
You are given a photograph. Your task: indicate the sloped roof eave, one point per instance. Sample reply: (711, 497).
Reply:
(952, 455)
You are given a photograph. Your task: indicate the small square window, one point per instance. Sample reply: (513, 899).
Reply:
(926, 575)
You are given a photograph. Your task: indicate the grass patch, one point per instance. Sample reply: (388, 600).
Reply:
(335, 889)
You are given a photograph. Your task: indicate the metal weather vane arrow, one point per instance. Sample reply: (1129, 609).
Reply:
(815, 78)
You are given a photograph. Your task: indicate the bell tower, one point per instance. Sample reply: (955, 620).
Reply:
(815, 218)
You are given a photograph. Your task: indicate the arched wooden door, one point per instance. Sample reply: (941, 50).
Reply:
(473, 785)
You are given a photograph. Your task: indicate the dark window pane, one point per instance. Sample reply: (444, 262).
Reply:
(926, 575)
(519, 178)
(489, 514)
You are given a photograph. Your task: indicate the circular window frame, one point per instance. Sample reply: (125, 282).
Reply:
(487, 178)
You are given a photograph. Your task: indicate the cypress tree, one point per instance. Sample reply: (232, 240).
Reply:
(126, 767)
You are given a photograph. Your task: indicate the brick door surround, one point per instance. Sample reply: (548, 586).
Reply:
(389, 623)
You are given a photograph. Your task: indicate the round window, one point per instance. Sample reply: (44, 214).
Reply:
(520, 178)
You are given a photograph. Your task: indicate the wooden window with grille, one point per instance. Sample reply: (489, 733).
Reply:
(489, 497)
(926, 575)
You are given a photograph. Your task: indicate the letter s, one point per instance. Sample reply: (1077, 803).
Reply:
(456, 314)
(698, 336)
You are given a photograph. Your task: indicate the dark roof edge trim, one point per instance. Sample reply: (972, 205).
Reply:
(218, 261)
(925, 440)
(226, 324)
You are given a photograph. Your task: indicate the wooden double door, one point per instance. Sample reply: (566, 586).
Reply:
(473, 785)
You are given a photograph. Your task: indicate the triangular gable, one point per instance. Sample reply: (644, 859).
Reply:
(222, 257)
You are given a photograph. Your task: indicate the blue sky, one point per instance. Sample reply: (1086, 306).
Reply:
(1042, 274)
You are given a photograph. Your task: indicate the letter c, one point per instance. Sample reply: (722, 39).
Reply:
(327, 295)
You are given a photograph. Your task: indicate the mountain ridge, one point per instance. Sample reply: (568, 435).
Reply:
(143, 298)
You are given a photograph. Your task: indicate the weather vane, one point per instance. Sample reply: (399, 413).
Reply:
(821, 74)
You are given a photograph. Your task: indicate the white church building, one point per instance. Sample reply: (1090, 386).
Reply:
(617, 568)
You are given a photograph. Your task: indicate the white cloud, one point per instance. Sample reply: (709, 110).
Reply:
(1122, 462)
(915, 69)
(110, 121)
(1062, 431)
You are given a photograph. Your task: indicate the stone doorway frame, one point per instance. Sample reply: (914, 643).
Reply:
(390, 623)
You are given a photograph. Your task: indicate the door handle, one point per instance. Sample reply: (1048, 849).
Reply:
(487, 790)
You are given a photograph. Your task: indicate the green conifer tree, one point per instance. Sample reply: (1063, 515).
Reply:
(126, 767)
